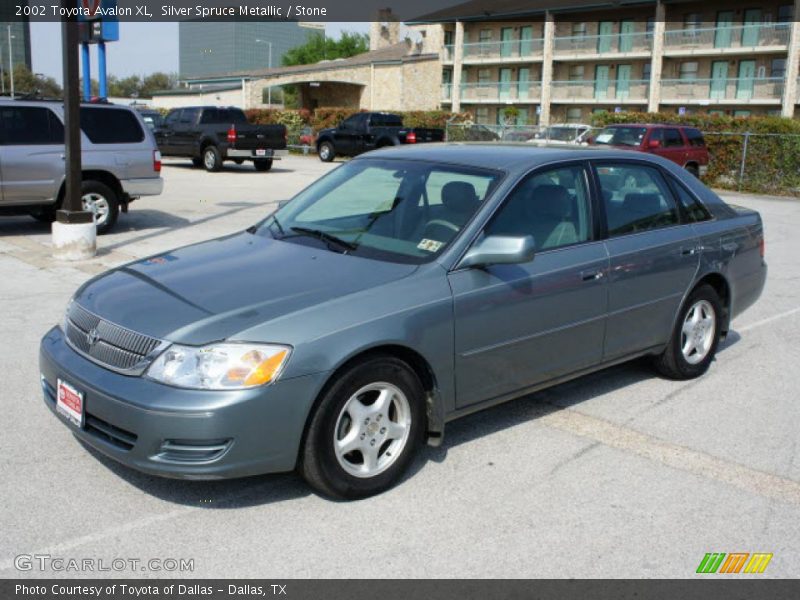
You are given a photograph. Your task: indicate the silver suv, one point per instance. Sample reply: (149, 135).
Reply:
(120, 159)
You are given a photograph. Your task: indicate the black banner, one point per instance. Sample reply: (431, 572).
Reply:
(734, 588)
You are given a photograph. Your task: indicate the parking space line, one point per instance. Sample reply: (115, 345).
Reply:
(777, 317)
(674, 455)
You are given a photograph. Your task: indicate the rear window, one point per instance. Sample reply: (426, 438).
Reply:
(111, 126)
(29, 126)
(621, 136)
(225, 116)
(385, 121)
(695, 138)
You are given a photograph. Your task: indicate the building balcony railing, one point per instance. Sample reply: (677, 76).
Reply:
(603, 44)
(721, 39)
(601, 90)
(729, 90)
(505, 50)
(501, 91)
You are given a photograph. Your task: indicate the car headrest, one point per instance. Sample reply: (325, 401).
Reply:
(459, 196)
(646, 204)
(551, 201)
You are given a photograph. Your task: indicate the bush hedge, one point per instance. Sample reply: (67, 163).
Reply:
(772, 163)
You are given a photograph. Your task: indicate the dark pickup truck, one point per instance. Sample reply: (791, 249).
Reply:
(210, 135)
(363, 132)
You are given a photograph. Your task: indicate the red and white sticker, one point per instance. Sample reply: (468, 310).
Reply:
(69, 402)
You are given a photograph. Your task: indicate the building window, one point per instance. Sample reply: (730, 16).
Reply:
(785, 13)
(485, 36)
(482, 115)
(579, 29)
(650, 26)
(448, 37)
(741, 113)
(574, 114)
(576, 72)
(778, 68)
(646, 71)
(692, 21)
(484, 76)
(688, 70)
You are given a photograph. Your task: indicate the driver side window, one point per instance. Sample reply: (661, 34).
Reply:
(552, 206)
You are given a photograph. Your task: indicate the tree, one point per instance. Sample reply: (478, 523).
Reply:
(320, 48)
(36, 84)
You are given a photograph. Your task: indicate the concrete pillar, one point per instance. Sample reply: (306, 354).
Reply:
(547, 67)
(790, 91)
(657, 60)
(458, 56)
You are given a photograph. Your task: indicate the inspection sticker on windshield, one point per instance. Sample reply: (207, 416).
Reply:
(430, 245)
(604, 138)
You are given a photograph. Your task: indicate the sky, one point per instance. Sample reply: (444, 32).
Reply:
(143, 48)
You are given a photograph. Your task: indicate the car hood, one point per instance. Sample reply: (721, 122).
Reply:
(212, 290)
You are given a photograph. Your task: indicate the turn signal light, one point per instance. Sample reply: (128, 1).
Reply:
(232, 134)
(411, 138)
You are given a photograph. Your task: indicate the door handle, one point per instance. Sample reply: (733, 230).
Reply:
(689, 251)
(591, 275)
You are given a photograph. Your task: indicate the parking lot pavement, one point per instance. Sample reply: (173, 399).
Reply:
(619, 474)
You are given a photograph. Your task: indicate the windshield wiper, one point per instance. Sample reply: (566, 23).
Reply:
(325, 237)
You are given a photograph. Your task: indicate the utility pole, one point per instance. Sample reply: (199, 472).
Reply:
(74, 232)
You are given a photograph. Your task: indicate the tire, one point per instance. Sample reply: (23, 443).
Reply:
(103, 202)
(263, 165)
(212, 159)
(703, 305)
(347, 475)
(197, 162)
(326, 152)
(693, 170)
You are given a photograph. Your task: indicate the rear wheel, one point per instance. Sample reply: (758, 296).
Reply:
(212, 159)
(101, 200)
(693, 170)
(326, 152)
(264, 164)
(365, 431)
(695, 338)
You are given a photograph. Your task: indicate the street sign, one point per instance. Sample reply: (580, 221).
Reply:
(681, 110)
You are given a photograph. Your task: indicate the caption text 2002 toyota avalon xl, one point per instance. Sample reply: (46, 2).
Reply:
(404, 289)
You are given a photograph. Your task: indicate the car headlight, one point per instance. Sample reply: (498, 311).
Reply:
(226, 366)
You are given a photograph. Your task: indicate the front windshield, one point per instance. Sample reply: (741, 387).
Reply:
(563, 134)
(395, 210)
(621, 136)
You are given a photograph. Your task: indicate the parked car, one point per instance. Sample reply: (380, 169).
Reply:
(563, 134)
(152, 118)
(685, 146)
(120, 160)
(210, 135)
(366, 131)
(405, 289)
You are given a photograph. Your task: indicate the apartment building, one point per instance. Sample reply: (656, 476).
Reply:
(561, 61)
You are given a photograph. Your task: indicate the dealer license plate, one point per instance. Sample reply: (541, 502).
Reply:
(69, 402)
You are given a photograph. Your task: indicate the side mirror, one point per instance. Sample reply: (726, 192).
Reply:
(282, 203)
(500, 250)
(654, 144)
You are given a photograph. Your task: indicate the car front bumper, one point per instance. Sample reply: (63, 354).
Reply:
(172, 432)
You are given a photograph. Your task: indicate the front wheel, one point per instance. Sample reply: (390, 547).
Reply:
(263, 164)
(326, 152)
(696, 336)
(365, 430)
(212, 159)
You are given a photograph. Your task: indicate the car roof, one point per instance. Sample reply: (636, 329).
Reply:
(653, 125)
(499, 156)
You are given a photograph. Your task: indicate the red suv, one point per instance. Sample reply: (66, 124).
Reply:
(682, 145)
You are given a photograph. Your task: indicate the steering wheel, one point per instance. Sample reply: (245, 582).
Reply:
(440, 223)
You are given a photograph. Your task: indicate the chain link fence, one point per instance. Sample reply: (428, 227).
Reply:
(753, 162)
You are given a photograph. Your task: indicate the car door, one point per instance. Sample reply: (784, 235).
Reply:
(520, 325)
(186, 132)
(31, 154)
(673, 147)
(164, 135)
(344, 136)
(653, 256)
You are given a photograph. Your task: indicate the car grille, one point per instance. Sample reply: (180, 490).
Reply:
(116, 436)
(107, 344)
